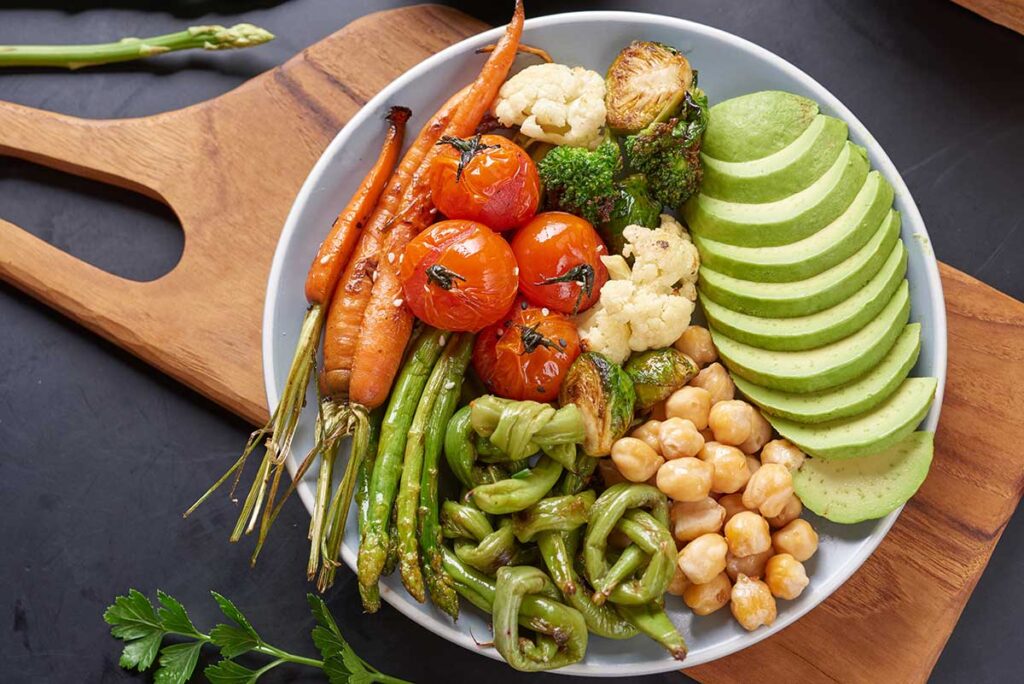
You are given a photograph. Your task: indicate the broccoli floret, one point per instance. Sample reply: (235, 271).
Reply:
(582, 181)
(668, 152)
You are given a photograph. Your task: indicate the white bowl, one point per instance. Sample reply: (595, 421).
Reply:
(728, 66)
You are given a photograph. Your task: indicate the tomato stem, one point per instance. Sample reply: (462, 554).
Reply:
(467, 147)
(533, 338)
(443, 277)
(581, 274)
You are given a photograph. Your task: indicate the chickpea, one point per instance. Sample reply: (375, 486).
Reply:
(785, 576)
(635, 460)
(696, 343)
(648, 432)
(798, 539)
(658, 411)
(703, 559)
(715, 379)
(752, 603)
(733, 504)
(679, 582)
(679, 438)
(610, 475)
(769, 490)
(790, 512)
(691, 519)
(691, 403)
(747, 534)
(731, 421)
(704, 599)
(731, 471)
(751, 566)
(760, 433)
(685, 479)
(753, 464)
(783, 452)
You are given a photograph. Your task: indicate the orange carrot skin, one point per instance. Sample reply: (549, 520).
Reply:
(387, 323)
(352, 293)
(337, 247)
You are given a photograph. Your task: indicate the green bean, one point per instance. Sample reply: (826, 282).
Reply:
(557, 549)
(460, 451)
(522, 428)
(578, 478)
(652, 620)
(520, 491)
(620, 506)
(567, 632)
(442, 591)
(563, 513)
(388, 467)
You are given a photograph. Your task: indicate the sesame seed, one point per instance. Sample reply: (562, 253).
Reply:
(391, 257)
(401, 258)
(449, 385)
(515, 271)
(397, 302)
(426, 288)
(545, 311)
(440, 340)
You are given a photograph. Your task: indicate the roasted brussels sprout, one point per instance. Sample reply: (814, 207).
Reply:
(604, 394)
(658, 373)
(644, 82)
(634, 206)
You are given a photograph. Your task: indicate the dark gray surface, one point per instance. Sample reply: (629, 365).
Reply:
(99, 454)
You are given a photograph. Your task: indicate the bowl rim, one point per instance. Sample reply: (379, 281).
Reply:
(404, 603)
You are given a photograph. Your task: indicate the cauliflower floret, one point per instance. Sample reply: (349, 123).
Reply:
(555, 104)
(650, 306)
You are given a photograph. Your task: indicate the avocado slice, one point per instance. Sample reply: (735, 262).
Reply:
(866, 433)
(786, 220)
(869, 487)
(756, 125)
(778, 175)
(855, 397)
(816, 329)
(823, 367)
(803, 297)
(812, 255)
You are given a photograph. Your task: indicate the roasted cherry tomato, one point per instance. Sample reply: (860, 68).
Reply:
(486, 178)
(527, 353)
(458, 275)
(559, 262)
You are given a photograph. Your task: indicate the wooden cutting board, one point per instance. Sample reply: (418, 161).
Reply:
(230, 169)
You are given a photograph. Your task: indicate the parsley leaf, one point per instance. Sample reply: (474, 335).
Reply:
(177, 662)
(230, 672)
(233, 641)
(235, 615)
(133, 620)
(173, 616)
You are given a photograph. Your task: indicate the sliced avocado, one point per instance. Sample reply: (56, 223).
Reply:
(803, 297)
(827, 366)
(757, 124)
(786, 220)
(816, 329)
(855, 397)
(869, 487)
(812, 255)
(868, 432)
(778, 175)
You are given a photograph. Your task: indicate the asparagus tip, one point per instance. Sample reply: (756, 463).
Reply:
(218, 37)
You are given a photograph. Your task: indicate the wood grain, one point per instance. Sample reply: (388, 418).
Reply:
(1009, 13)
(231, 167)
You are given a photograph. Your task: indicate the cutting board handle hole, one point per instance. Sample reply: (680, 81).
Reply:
(116, 230)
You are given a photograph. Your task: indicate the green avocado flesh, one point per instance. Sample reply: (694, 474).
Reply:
(866, 488)
(803, 297)
(817, 329)
(778, 175)
(812, 255)
(855, 397)
(756, 125)
(868, 432)
(787, 220)
(823, 367)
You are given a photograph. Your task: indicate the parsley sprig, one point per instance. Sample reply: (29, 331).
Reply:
(134, 620)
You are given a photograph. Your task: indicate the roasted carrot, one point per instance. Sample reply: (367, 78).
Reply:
(352, 293)
(335, 250)
(387, 322)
